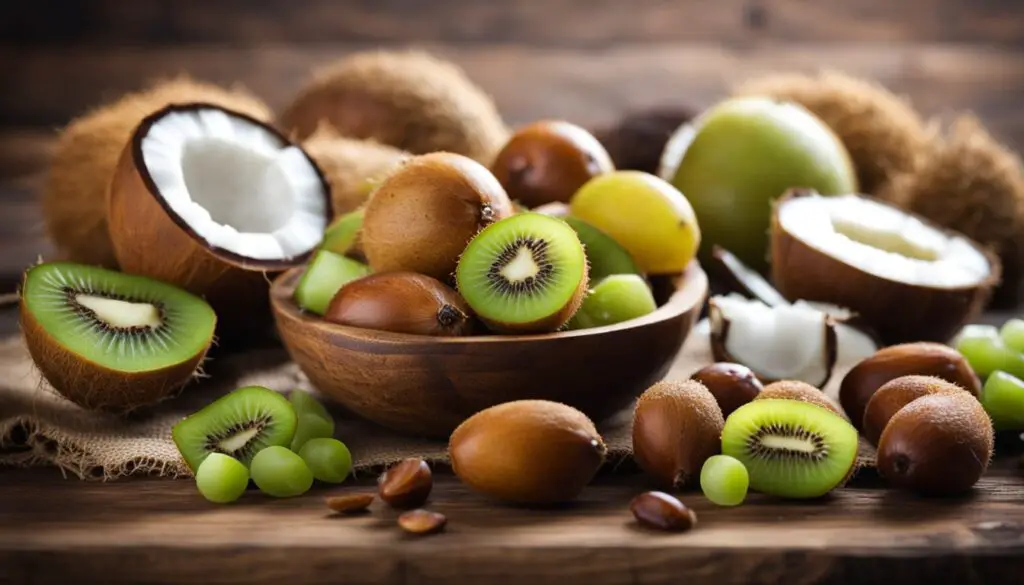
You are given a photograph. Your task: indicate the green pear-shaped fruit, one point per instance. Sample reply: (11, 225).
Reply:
(736, 158)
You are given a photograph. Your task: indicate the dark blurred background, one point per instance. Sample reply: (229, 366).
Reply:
(585, 60)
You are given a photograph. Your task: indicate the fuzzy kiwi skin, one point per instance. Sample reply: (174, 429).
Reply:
(74, 197)
(426, 211)
(797, 390)
(677, 426)
(939, 444)
(971, 183)
(408, 99)
(527, 451)
(883, 133)
(94, 386)
(353, 167)
(894, 395)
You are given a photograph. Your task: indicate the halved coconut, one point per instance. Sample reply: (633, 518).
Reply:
(786, 342)
(212, 200)
(909, 279)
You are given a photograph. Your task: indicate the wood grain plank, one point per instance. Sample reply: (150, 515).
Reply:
(551, 23)
(159, 531)
(46, 87)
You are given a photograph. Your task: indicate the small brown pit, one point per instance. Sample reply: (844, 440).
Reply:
(407, 484)
(350, 503)
(661, 511)
(422, 522)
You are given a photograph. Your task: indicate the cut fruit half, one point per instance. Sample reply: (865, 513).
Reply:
(110, 341)
(210, 199)
(777, 343)
(907, 278)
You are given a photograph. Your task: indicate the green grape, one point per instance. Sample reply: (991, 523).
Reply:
(329, 459)
(1012, 334)
(310, 426)
(221, 478)
(1003, 399)
(986, 354)
(724, 480)
(281, 473)
(615, 299)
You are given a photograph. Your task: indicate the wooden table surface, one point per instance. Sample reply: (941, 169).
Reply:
(588, 60)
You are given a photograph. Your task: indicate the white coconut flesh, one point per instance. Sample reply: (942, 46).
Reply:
(235, 184)
(883, 241)
(852, 344)
(786, 342)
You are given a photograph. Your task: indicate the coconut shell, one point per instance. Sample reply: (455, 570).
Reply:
(352, 167)
(898, 311)
(149, 240)
(74, 197)
(971, 183)
(408, 99)
(883, 133)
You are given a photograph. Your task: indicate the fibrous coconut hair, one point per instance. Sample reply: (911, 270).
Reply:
(408, 99)
(74, 199)
(971, 183)
(883, 133)
(352, 167)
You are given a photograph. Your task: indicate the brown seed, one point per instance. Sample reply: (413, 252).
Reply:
(350, 503)
(894, 395)
(732, 385)
(407, 484)
(422, 522)
(663, 512)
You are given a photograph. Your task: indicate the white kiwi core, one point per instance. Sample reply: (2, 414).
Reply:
(121, 314)
(521, 267)
(789, 444)
(235, 184)
(234, 442)
(884, 241)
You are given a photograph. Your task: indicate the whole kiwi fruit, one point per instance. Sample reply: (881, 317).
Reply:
(527, 451)
(893, 396)
(408, 99)
(423, 214)
(797, 390)
(74, 197)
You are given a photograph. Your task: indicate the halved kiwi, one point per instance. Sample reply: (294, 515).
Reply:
(526, 273)
(324, 277)
(239, 424)
(111, 341)
(791, 448)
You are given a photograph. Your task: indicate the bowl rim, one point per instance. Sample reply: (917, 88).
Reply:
(691, 291)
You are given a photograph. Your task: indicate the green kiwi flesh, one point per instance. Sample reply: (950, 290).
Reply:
(313, 420)
(791, 449)
(340, 237)
(326, 273)
(239, 424)
(112, 341)
(525, 273)
(605, 255)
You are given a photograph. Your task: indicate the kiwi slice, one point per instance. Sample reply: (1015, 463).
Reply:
(238, 424)
(111, 341)
(791, 448)
(341, 237)
(526, 273)
(605, 255)
(324, 276)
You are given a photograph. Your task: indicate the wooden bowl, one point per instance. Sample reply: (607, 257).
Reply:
(426, 386)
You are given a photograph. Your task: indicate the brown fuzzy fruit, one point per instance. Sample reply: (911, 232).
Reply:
(896, 361)
(74, 198)
(732, 385)
(353, 167)
(424, 213)
(401, 302)
(408, 99)
(893, 396)
(883, 133)
(636, 141)
(677, 426)
(971, 183)
(797, 390)
(937, 445)
(527, 451)
(548, 161)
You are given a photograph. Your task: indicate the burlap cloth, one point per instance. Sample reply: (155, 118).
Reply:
(38, 427)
